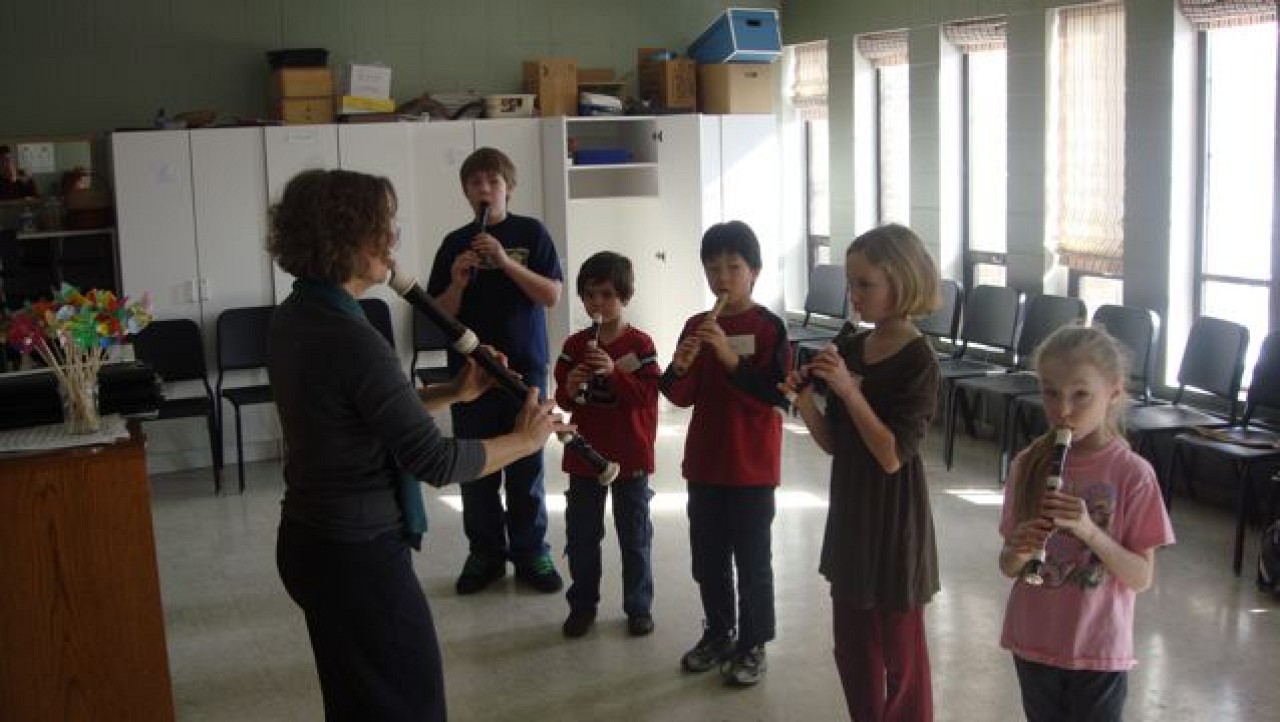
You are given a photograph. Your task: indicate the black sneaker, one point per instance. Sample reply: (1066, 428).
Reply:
(710, 651)
(746, 668)
(579, 621)
(540, 574)
(479, 572)
(640, 625)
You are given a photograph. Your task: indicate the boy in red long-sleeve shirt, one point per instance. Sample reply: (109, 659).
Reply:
(607, 376)
(728, 368)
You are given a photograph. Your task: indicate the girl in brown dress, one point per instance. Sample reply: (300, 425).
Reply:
(878, 550)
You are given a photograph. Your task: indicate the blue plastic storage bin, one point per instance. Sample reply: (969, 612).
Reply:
(740, 35)
(601, 156)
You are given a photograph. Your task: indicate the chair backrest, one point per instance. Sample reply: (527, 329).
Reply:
(828, 292)
(1045, 314)
(1213, 360)
(1264, 388)
(172, 348)
(242, 337)
(426, 337)
(379, 315)
(945, 321)
(1137, 330)
(991, 317)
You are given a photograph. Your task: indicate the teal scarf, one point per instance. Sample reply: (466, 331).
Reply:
(409, 490)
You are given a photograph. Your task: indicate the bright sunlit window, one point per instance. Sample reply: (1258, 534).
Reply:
(1235, 254)
(985, 121)
(894, 134)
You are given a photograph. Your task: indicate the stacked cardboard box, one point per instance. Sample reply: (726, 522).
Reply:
(668, 83)
(302, 94)
(734, 56)
(555, 82)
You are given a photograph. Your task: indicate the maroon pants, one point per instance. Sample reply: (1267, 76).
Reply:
(883, 660)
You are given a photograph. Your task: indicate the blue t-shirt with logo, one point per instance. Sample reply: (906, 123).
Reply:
(493, 306)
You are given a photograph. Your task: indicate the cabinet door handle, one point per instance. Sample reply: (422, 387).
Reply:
(661, 256)
(204, 289)
(657, 135)
(191, 290)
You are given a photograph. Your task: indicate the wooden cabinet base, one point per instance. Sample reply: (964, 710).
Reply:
(81, 625)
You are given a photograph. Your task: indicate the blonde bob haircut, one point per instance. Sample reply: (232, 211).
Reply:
(911, 270)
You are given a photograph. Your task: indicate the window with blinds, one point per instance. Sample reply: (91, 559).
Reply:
(1089, 152)
(1235, 232)
(985, 149)
(887, 52)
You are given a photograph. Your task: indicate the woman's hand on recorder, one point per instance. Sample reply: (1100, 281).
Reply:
(473, 381)
(536, 422)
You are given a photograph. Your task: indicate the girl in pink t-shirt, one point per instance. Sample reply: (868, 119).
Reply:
(1072, 633)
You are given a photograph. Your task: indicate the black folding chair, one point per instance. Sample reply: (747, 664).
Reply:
(242, 346)
(379, 315)
(1045, 314)
(943, 325)
(427, 338)
(1213, 362)
(991, 316)
(174, 350)
(1243, 445)
(828, 296)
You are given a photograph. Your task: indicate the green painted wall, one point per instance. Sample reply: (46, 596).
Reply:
(74, 66)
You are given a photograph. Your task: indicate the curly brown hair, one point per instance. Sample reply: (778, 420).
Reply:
(326, 219)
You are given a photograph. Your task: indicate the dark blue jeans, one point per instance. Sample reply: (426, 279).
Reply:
(1053, 694)
(371, 630)
(519, 531)
(584, 529)
(732, 526)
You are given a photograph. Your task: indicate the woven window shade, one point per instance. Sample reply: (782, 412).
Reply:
(1091, 138)
(884, 48)
(975, 36)
(809, 94)
(1212, 14)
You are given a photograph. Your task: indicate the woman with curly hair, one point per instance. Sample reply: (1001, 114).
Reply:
(357, 439)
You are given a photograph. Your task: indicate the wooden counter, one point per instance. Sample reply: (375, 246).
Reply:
(81, 625)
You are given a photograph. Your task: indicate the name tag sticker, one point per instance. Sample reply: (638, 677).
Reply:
(628, 363)
(743, 345)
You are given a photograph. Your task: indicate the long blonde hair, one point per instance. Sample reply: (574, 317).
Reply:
(1076, 346)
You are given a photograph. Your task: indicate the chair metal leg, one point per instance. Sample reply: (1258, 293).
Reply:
(1007, 440)
(239, 448)
(1242, 514)
(1167, 484)
(949, 427)
(215, 451)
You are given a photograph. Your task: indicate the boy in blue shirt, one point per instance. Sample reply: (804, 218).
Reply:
(497, 276)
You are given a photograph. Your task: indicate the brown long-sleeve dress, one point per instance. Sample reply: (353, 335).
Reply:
(878, 550)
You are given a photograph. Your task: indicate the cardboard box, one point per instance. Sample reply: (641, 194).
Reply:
(367, 81)
(304, 111)
(302, 83)
(735, 88)
(740, 35)
(666, 84)
(596, 76)
(555, 82)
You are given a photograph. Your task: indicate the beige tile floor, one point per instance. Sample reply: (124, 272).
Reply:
(238, 648)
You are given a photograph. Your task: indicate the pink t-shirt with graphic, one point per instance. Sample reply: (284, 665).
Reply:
(1082, 617)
